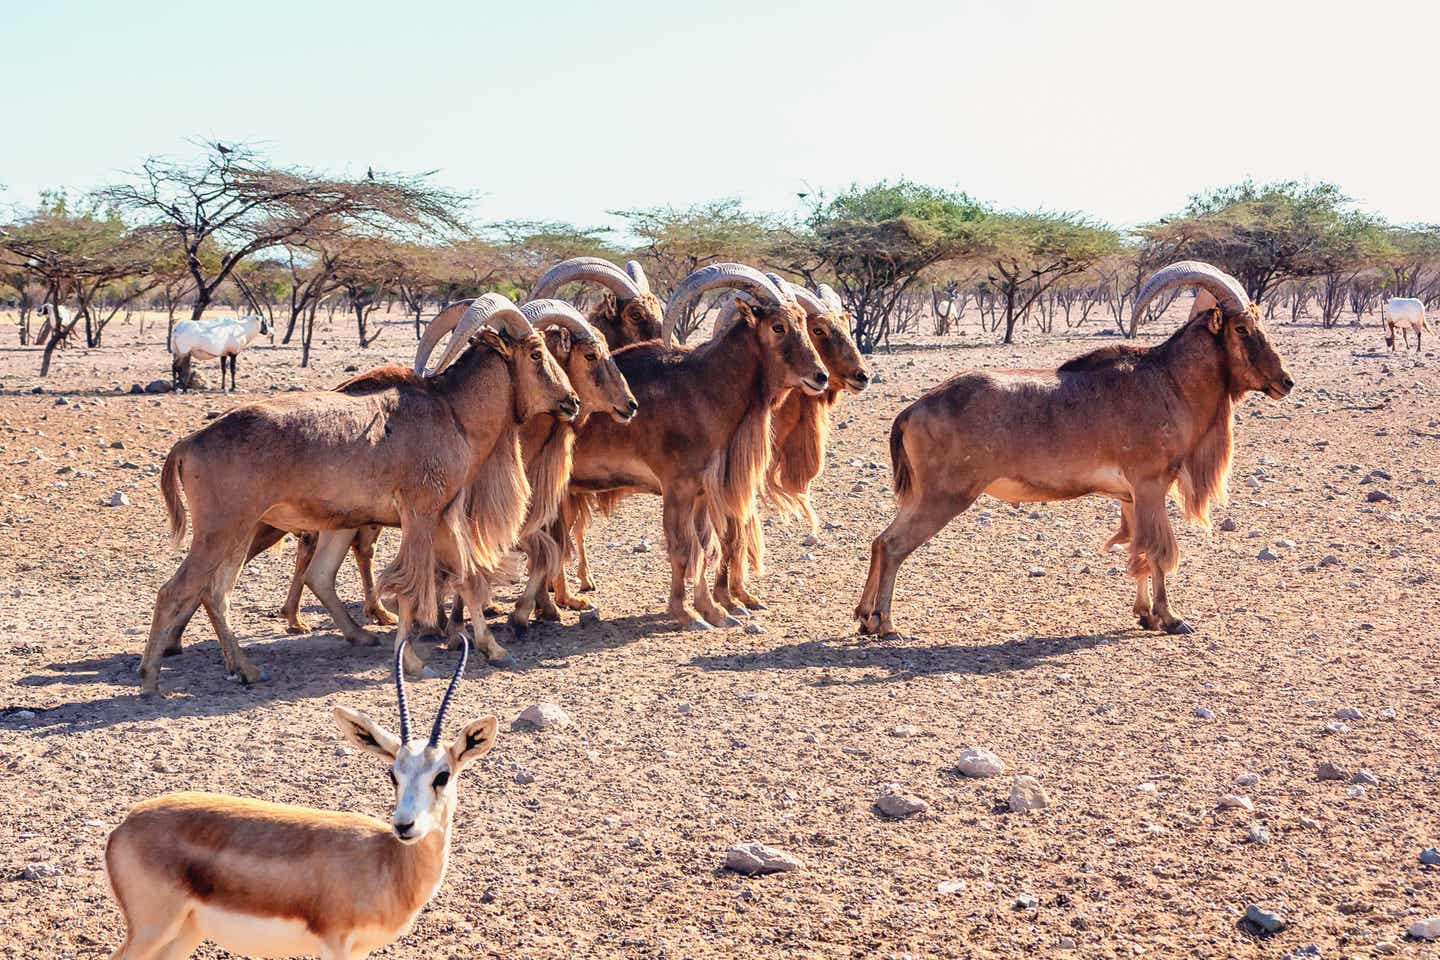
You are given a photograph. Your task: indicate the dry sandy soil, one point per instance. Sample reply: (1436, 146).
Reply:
(684, 744)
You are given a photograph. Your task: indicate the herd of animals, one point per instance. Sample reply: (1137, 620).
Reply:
(536, 416)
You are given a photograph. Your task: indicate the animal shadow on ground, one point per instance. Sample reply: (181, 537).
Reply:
(311, 666)
(883, 662)
(552, 645)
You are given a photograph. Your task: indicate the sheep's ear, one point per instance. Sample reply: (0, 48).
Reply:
(1215, 321)
(743, 312)
(1204, 300)
(557, 341)
(367, 734)
(496, 342)
(475, 740)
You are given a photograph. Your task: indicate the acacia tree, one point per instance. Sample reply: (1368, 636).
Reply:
(528, 248)
(876, 241)
(365, 268)
(675, 242)
(1029, 252)
(74, 256)
(235, 201)
(1262, 234)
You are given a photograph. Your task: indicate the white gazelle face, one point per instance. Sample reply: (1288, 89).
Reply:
(424, 790)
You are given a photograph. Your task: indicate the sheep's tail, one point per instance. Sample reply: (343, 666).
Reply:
(899, 460)
(170, 489)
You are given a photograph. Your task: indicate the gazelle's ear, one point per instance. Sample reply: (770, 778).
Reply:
(475, 740)
(366, 733)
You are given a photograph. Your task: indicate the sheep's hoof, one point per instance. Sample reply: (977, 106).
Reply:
(171, 651)
(738, 610)
(697, 624)
(492, 611)
(520, 631)
(756, 605)
(1179, 626)
(299, 626)
(731, 621)
(506, 661)
(262, 677)
(892, 636)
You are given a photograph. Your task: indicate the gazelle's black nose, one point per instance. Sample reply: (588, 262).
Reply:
(403, 829)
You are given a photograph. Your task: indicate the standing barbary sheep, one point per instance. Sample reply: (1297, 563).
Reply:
(1403, 314)
(222, 337)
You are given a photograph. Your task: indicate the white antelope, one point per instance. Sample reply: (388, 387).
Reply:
(276, 880)
(1403, 314)
(223, 337)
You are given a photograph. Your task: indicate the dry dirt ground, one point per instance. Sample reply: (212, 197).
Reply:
(608, 839)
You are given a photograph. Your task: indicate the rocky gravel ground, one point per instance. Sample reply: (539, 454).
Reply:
(1263, 787)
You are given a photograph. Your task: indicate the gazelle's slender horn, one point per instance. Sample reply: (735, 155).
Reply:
(637, 274)
(736, 275)
(450, 690)
(1228, 292)
(595, 270)
(400, 690)
(491, 310)
(558, 313)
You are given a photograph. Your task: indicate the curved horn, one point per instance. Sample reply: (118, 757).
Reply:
(736, 275)
(450, 690)
(436, 329)
(637, 274)
(400, 690)
(812, 304)
(558, 313)
(491, 310)
(830, 298)
(1229, 292)
(593, 269)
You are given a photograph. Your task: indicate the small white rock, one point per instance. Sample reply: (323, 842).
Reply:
(978, 762)
(753, 859)
(1427, 929)
(1349, 713)
(541, 716)
(1027, 794)
(896, 803)
(948, 887)
(1233, 801)
(1247, 780)
(118, 499)
(1204, 713)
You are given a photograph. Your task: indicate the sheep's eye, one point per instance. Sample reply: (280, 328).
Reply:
(778, 328)
(535, 356)
(441, 778)
(591, 357)
(820, 331)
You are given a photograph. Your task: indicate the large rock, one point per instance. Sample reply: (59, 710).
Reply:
(1027, 794)
(541, 716)
(753, 859)
(895, 802)
(1267, 920)
(1427, 929)
(978, 762)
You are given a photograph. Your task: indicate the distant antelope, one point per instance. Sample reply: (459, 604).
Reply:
(1403, 314)
(276, 880)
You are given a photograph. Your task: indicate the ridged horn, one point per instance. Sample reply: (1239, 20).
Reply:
(400, 690)
(830, 298)
(637, 274)
(1228, 292)
(558, 313)
(812, 304)
(735, 275)
(593, 269)
(491, 310)
(450, 690)
(435, 331)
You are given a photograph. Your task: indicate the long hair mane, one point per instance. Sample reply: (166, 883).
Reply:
(496, 502)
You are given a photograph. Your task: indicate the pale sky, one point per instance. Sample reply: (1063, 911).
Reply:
(565, 110)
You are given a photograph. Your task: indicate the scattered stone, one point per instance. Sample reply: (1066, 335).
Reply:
(1066, 943)
(38, 871)
(1026, 901)
(1366, 779)
(1149, 788)
(642, 547)
(1229, 525)
(1284, 544)
(1258, 833)
(754, 628)
(684, 708)
(1037, 571)
(948, 887)
(1309, 824)
(1378, 496)
(904, 730)
(24, 716)
(1027, 794)
(1247, 780)
(343, 751)
(1388, 713)
(1204, 713)
(1427, 929)
(1335, 726)
(1267, 555)
(523, 776)
(1329, 560)
(754, 859)
(1386, 949)
(1233, 801)
(1329, 771)
(810, 540)
(541, 716)
(977, 762)
(1267, 920)
(62, 401)
(1349, 713)
(117, 445)
(894, 802)
(159, 386)
(1355, 792)
(118, 499)
(1430, 856)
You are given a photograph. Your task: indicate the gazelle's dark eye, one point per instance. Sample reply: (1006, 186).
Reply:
(778, 328)
(441, 778)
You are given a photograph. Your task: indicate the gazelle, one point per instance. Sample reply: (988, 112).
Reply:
(276, 880)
